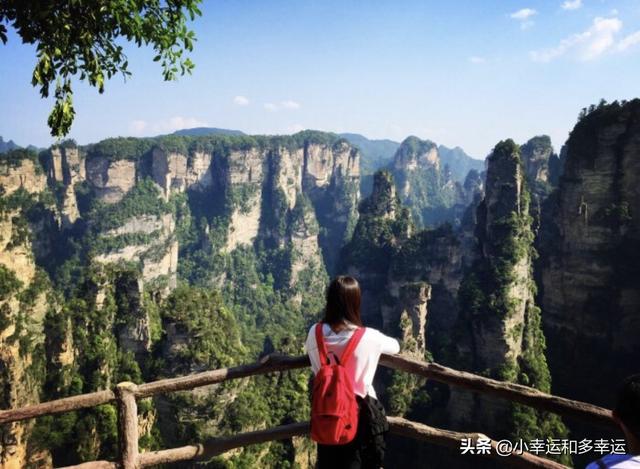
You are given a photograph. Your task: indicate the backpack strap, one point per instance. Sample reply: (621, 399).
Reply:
(351, 345)
(322, 348)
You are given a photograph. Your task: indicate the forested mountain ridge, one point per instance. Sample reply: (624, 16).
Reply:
(463, 296)
(135, 259)
(110, 253)
(590, 243)
(459, 162)
(426, 184)
(7, 146)
(436, 186)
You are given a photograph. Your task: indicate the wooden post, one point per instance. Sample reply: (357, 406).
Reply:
(127, 425)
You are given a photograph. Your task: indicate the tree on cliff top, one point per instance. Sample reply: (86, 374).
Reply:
(81, 39)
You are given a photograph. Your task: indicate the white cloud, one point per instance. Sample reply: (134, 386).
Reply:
(587, 45)
(137, 127)
(179, 122)
(241, 100)
(526, 24)
(629, 41)
(287, 104)
(523, 14)
(572, 4)
(141, 127)
(296, 128)
(477, 60)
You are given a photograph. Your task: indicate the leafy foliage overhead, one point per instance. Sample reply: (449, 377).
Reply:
(82, 39)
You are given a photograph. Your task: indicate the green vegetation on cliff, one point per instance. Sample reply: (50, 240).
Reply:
(383, 222)
(498, 288)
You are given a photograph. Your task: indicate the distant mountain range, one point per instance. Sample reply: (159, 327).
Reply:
(459, 162)
(8, 146)
(376, 153)
(202, 131)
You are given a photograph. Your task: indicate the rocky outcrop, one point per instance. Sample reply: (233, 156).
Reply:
(323, 162)
(306, 257)
(244, 179)
(427, 186)
(412, 302)
(498, 331)
(27, 175)
(403, 273)
(589, 265)
(23, 305)
(122, 207)
(157, 251)
(535, 155)
(541, 167)
(66, 165)
(414, 153)
(111, 179)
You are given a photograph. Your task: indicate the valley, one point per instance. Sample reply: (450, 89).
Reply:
(143, 258)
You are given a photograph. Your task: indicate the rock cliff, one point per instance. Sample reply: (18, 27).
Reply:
(409, 281)
(498, 332)
(114, 225)
(23, 302)
(589, 269)
(428, 186)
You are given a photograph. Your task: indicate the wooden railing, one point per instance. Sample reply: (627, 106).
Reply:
(126, 394)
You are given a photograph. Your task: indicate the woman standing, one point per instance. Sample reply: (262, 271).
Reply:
(341, 320)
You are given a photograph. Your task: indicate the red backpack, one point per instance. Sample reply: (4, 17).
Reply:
(334, 409)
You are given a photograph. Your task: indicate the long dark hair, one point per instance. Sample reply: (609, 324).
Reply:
(343, 301)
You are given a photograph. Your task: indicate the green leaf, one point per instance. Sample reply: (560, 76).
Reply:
(82, 39)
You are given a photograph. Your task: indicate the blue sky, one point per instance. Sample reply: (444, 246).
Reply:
(466, 73)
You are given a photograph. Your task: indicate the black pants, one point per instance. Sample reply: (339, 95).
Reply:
(366, 451)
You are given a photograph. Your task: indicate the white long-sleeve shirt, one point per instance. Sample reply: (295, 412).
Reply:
(364, 361)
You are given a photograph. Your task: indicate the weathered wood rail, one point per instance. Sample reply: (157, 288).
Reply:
(126, 394)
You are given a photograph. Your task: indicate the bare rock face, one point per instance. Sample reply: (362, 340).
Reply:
(383, 201)
(427, 186)
(27, 176)
(290, 173)
(590, 258)
(243, 177)
(412, 300)
(175, 172)
(414, 153)
(322, 162)
(66, 165)
(245, 223)
(65, 168)
(536, 154)
(158, 256)
(281, 194)
(169, 171)
(111, 179)
(502, 220)
(403, 273)
(303, 236)
(498, 331)
(435, 258)
(19, 378)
